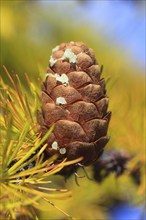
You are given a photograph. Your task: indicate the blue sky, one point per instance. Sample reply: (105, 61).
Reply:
(125, 211)
(121, 21)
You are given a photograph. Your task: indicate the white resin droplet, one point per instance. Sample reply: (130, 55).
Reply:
(68, 54)
(49, 74)
(62, 150)
(52, 61)
(55, 145)
(61, 100)
(63, 78)
(55, 48)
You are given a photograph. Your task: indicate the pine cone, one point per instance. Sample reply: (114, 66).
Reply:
(74, 99)
(112, 161)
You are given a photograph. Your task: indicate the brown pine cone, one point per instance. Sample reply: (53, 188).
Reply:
(74, 99)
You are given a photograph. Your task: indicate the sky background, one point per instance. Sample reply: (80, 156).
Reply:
(122, 22)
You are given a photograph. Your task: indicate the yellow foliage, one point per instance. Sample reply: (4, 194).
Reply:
(7, 23)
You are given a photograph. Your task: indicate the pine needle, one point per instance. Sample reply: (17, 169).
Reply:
(25, 174)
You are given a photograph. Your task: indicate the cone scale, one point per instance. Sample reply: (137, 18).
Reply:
(74, 100)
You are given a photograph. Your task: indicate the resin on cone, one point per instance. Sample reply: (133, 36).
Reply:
(74, 100)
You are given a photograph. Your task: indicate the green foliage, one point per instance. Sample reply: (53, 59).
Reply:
(25, 175)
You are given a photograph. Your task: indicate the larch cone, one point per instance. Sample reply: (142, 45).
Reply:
(74, 100)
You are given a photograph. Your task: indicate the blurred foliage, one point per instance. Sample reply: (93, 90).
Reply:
(24, 173)
(29, 31)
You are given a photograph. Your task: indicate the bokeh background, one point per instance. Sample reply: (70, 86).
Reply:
(115, 29)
